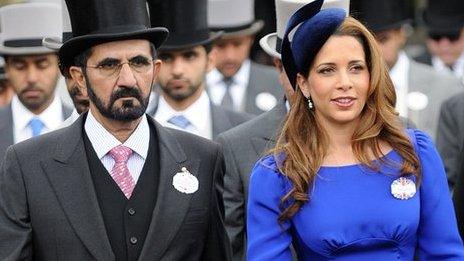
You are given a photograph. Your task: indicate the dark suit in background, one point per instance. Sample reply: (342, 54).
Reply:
(243, 146)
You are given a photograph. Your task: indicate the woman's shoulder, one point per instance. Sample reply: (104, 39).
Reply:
(421, 141)
(266, 169)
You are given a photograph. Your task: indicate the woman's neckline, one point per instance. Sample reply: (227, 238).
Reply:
(356, 164)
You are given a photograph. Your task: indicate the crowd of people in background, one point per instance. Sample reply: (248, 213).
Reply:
(257, 118)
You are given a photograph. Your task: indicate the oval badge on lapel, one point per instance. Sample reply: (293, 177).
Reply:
(403, 188)
(265, 101)
(185, 182)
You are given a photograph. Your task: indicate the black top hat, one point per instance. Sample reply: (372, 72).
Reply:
(186, 21)
(444, 16)
(379, 15)
(95, 22)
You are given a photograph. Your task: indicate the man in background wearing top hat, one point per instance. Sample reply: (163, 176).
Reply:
(182, 101)
(32, 71)
(80, 101)
(246, 143)
(114, 185)
(420, 90)
(236, 82)
(444, 20)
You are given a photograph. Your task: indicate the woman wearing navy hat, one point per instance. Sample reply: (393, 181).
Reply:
(346, 181)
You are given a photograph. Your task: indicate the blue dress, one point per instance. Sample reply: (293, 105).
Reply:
(352, 214)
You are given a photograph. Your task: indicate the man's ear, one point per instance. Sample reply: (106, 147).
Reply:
(303, 84)
(211, 60)
(78, 76)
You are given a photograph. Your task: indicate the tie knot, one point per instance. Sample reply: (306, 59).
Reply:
(120, 153)
(228, 81)
(179, 121)
(36, 126)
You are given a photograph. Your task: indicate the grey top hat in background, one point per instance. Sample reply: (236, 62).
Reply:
(234, 17)
(271, 43)
(23, 26)
(56, 43)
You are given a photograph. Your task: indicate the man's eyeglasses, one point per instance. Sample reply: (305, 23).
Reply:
(452, 37)
(112, 67)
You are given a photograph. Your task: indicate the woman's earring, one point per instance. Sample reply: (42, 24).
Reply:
(310, 103)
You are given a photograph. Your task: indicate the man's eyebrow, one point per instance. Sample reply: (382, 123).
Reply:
(108, 60)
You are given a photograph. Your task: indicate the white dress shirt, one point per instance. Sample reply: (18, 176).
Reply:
(399, 75)
(199, 115)
(458, 66)
(103, 141)
(51, 117)
(217, 87)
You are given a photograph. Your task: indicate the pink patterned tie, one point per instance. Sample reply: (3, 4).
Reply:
(120, 173)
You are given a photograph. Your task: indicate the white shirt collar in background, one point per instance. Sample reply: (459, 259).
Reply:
(199, 115)
(399, 75)
(51, 117)
(217, 88)
(458, 67)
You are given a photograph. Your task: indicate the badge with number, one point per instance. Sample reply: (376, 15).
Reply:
(185, 182)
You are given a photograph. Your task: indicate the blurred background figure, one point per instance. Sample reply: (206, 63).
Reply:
(79, 99)
(183, 102)
(237, 82)
(420, 90)
(32, 71)
(444, 20)
(6, 90)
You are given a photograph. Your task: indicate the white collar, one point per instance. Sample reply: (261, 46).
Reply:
(458, 66)
(241, 77)
(103, 141)
(399, 75)
(198, 113)
(51, 117)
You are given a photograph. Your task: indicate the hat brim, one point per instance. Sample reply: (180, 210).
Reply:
(52, 43)
(4, 50)
(268, 44)
(254, 28)
(442, 25)
(178, 46)
(77, 45)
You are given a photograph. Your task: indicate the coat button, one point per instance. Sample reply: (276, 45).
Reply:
(133, 240)
(131, 211)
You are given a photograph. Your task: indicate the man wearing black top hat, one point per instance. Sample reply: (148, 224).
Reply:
(182, 102)
(237, 82)
(114, 185)
(444, 20)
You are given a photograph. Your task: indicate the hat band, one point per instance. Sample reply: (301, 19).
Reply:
(233, 28)
(23, 42)
(66, 36)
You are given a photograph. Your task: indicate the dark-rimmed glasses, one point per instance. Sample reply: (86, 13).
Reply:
(112, 67)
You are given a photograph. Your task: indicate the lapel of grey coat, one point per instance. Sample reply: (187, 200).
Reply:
(171, 205)
(219, 120)
(69, 174)
(254, 87)
(266, 135)
(6, 129)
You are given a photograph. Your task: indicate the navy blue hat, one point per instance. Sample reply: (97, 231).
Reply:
(315, 26)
